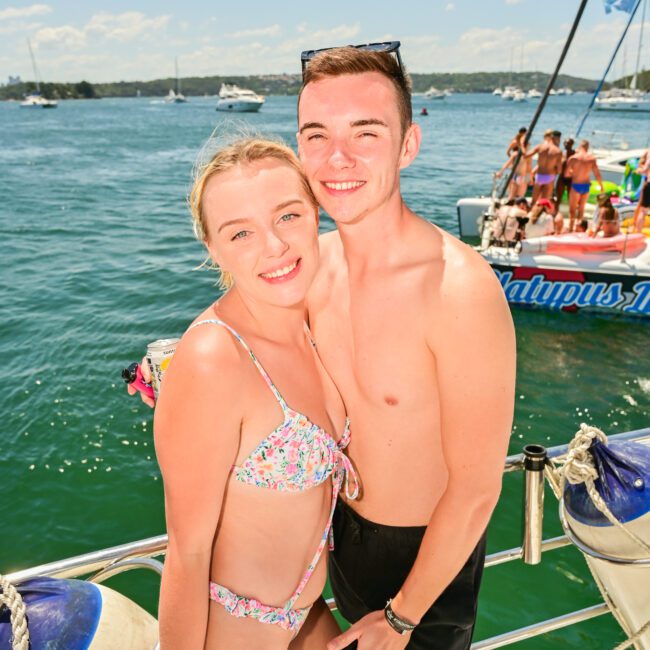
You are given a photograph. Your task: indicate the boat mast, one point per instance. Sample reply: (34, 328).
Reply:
(31, 54)
(609, 65)
(638, 52)
(178, 81)
(542, 102)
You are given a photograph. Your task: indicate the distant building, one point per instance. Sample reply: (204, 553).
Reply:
(14, 81)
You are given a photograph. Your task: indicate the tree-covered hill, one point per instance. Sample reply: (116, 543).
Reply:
(287, 84)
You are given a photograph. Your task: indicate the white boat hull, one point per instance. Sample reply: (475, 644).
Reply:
(36, 101)
(628, 105)
(601, 281)
(239, 106)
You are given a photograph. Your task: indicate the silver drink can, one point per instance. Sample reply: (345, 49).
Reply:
(159, 354)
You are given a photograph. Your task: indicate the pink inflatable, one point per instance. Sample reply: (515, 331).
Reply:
(580, 242)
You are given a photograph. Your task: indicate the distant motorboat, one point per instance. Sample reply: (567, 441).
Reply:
(35, 99)
(236, 99)
(564, 91)
(519, 96)
(533, 93)
(434, 93)
(497, 91)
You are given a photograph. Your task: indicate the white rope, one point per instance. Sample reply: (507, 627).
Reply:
(579, 468)
(11, 599)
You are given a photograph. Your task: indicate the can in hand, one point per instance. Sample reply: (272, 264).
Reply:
(159, 354)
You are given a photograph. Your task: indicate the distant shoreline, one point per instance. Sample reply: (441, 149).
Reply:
(289, 84)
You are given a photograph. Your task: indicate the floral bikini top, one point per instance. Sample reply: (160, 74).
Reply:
(297, 455)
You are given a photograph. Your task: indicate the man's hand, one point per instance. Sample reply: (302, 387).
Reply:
(372, 633)
(146, 375)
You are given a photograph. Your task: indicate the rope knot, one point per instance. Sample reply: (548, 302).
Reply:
(10, 598)
(579, 465)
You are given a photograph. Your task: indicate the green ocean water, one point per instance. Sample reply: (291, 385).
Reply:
(98, 259)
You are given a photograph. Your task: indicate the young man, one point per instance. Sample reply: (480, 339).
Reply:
(563, 181)
(549, 163)
(400, 312)
(580, 167)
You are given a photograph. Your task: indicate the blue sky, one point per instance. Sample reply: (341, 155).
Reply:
(111, 41)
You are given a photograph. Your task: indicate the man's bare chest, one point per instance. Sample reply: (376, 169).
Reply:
(374, 347)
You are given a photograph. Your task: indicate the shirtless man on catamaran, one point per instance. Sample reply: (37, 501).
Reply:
(549, 164)
(579, 168)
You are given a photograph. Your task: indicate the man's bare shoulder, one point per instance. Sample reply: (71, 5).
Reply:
(461, 283)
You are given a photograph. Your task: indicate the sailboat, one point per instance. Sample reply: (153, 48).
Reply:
(35, 99)
(631, 99)
(176, 96)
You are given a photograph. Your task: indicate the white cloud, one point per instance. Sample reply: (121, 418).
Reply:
(32, 10)
(513, 2)
(65, 37)
(483, 39)
(450, 7)
(126, 26)
(315, 39)
(13, 27)
(272, 30)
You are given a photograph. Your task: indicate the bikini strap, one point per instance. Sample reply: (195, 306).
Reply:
(336, 485)
(263, 372)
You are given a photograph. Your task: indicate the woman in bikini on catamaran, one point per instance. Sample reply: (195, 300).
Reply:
(249, 429)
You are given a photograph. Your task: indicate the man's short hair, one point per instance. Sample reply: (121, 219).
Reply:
(548, 133)
(557, 134)
(340, 61)
(522, 130)
(584, 144)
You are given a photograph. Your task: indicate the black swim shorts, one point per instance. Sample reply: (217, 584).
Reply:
(369, 564)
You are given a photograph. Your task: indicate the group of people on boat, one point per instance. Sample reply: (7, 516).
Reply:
(385, 454)
(515, 220)
(569, 171)
(556, 171)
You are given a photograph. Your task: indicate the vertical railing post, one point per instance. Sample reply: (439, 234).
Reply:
(534, 462)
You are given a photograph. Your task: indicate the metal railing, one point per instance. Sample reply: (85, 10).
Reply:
(532, 462)
(108, 562)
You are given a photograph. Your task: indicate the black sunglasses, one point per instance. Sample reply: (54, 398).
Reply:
(390, 47)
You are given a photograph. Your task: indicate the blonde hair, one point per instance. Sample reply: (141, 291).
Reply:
(244, 151)
(340, 61)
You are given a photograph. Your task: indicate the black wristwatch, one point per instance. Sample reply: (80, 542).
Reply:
(400, 625)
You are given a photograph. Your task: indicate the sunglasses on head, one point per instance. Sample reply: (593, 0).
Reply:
(390, 47)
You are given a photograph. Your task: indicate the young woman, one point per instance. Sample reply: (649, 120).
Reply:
(249, 429)
(521, 178)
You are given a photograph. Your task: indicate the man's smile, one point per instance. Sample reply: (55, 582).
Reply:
(342, 186)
